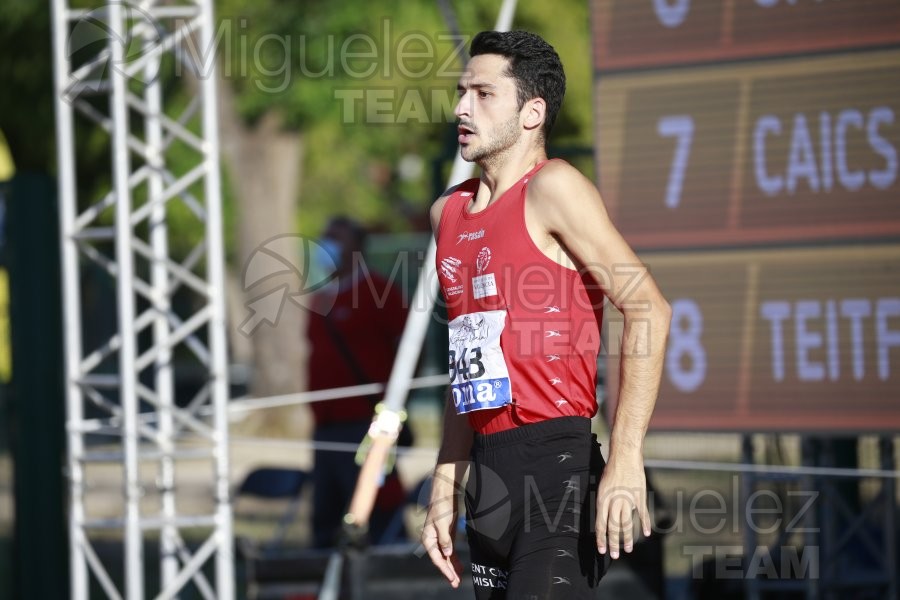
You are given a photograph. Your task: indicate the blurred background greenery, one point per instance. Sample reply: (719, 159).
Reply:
(281, 62)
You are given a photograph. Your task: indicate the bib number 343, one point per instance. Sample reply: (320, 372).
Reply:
(479, 378)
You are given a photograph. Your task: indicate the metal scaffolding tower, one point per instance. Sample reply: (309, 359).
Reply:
(144, 73)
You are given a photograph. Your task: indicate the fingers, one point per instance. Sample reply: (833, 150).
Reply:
(456, 566)
(645, 518)
(614, 528)
(445, 540)
(615, 522)
(440, 550)
(626, 515)
(601, 524)
(449, 568)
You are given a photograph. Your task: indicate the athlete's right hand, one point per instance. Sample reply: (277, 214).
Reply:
(437, 537)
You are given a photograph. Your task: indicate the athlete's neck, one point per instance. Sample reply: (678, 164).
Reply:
(501, 172)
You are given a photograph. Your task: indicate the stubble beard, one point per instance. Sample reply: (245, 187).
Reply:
(492, 152)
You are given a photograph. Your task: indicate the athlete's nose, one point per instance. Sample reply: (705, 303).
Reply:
(463, 105)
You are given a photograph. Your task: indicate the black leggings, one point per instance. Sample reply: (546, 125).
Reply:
(530, 504)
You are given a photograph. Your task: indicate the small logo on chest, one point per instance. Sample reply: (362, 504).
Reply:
(469, 236)
(450, 268)
(483, 284)
(483, 260)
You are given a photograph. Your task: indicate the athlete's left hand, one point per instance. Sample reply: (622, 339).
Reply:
(622, 491)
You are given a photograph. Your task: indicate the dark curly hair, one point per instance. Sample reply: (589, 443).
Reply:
(533, 64)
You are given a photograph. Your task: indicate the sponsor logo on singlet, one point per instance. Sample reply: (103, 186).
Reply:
(483, 260)
(483, 284)
(467, 236)
(450, 271)
(450, 268)
(479, 377)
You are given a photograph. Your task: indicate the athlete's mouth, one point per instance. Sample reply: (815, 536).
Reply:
(465, 133)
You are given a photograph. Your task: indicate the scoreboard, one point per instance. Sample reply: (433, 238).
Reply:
(779, 151)
(629, 34)
(778, 340)
(750, 151)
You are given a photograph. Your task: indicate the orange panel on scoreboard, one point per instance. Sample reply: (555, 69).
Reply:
(678, 157)
(822, 150)
(628, 34)
(796, 340)
(801, 150)
(828, 335)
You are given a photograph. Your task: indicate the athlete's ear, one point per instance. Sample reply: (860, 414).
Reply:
(534, 112)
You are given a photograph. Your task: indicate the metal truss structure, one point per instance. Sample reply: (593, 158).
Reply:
(845, 549)
(133, 71)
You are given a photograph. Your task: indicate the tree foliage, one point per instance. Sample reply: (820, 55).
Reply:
(26, 77)
(303, 60)
(371, 86)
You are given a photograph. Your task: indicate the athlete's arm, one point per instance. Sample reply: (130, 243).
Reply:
(440, 520)
(446, 487)
(565, 206)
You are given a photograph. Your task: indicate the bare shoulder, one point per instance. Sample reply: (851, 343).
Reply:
(437, 209)
(559, 193)
(556, 171)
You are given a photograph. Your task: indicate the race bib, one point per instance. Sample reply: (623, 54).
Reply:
(479, 378)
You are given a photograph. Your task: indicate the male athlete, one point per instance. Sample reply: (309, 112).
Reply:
(525, 256)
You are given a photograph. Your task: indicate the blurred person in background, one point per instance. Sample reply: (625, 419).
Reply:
(353, 343)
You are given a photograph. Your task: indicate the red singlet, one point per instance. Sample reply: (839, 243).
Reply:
(524, 330)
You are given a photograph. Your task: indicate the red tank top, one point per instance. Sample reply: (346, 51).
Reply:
(524, 330)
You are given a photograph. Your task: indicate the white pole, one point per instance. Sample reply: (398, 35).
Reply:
(159, 277)
(134, 563)
(216, 276)
(65, 154)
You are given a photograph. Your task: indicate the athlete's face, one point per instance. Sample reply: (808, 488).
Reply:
(488, 111)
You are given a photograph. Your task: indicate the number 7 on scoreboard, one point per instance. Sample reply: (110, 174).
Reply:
(682, 128)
